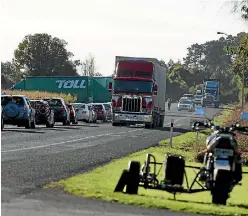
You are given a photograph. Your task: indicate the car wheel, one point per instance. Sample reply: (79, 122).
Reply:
(28, 124)
(2, 124)
(33, 124)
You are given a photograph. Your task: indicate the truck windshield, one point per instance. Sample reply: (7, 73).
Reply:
(133, 86)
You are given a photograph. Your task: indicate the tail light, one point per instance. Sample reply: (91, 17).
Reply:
(239, 154)
(25, 107)
(72, 111)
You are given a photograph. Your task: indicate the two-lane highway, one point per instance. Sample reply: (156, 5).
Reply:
(32, 158)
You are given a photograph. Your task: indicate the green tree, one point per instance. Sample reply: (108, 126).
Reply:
(9, 74)
(89, 66)
(44, 55)
(241, 7)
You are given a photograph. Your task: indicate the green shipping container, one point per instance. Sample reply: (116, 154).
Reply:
(87, 89)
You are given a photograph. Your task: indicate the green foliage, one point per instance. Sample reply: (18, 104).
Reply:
(208, 60)
(9, 74)
(44, 55)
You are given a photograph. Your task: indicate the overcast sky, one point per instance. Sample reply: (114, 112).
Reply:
(106, 28)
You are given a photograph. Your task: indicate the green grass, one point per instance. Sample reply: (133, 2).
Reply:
(101, 182)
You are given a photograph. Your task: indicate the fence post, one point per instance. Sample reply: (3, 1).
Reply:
(197, 134)
(171, 131)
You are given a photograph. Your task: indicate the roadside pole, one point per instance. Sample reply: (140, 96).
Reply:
(171, 131)
(197, 134)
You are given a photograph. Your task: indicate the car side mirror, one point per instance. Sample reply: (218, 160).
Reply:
(155, 89)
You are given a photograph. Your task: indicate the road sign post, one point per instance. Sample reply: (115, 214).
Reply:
(171, 131)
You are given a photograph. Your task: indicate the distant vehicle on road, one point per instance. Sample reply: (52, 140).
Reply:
(189, 96)
(101, 111)
(44, 114)
(17, 110)
(185, 105)
(73, 114)
(61, 111)
(84, 112)
(198, 99)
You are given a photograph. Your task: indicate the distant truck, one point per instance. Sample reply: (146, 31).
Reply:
(88, 89)
(211, 93)
(138, 92)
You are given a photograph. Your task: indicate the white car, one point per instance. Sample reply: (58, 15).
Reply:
(185, 105)
(84, 112)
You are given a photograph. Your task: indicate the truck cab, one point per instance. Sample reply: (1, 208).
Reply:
(135, 90)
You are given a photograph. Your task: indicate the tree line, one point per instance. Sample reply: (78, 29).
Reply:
(222, 59)
(44, 55)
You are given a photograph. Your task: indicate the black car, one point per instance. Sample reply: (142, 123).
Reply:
(61, 111)
(44, 113)
(73, 114)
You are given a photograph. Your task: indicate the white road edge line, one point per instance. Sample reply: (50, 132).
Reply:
(83, 138)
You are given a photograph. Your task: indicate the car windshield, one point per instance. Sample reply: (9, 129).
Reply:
(54, 102)
(9, 99)
(107, 106)
(187, 95)
(79, 106)
(133, 86)
(185, 102)
(97, 107)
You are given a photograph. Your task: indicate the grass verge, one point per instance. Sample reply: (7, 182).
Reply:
(101, 182)
(40, 94)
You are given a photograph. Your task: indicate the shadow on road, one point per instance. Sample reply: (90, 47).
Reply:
(24, 131)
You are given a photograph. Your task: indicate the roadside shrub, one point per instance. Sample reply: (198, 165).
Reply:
(40, 94)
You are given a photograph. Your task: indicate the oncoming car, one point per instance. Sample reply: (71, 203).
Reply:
(185, 105)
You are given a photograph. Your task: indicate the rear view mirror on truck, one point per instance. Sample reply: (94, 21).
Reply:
(110, 86)
(155, 89)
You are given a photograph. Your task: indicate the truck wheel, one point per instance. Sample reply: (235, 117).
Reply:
(133, 177)
(148, 126)
(221, 187)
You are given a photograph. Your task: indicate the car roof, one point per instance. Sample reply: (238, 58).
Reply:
(14, 96)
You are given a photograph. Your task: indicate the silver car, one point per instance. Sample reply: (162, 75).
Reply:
(187, 105)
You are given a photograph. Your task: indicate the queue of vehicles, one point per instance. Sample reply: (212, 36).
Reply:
(209, 96)
(21, 111)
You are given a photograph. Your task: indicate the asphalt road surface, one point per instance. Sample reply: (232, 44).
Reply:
(32, 158)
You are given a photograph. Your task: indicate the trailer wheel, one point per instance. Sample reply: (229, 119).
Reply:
(122, 181)
(221, 187)
(115, 124)
(133, 177)
(148, 126)
(161, 121)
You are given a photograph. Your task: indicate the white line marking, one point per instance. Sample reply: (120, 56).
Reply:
(68, 141)
(79, 139)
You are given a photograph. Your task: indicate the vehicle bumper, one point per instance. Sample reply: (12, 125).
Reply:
(41, 119)
(15, 121)
(131, 118)
(60, 118)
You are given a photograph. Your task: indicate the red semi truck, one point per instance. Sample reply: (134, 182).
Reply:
(138, 92)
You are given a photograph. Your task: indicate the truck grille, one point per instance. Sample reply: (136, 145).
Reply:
(131, 104)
